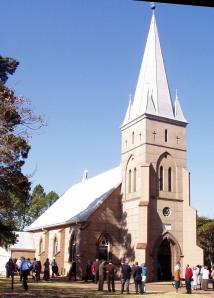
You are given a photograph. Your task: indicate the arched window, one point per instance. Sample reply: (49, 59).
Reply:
(40, 245)
(130, 181)
(166, 135)
(73, 246)
(55, 246)
(161, 178)
(170, 179)
(134, 179)
(103, 247)
(132, 137)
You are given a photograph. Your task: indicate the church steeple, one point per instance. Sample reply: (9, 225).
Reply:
(152, 95)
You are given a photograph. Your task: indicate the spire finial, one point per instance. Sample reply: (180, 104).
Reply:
(152, 5)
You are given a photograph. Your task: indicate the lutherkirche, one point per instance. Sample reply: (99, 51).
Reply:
(141, 209)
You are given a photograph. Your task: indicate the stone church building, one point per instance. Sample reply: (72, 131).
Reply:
(141, 209)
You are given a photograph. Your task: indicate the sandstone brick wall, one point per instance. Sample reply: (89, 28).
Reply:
(16, 254)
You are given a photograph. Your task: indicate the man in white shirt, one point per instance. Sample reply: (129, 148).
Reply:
(205, 278)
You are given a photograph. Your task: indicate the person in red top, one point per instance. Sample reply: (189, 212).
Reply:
(188, 278)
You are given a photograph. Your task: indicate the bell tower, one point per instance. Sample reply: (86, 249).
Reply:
(155, 180)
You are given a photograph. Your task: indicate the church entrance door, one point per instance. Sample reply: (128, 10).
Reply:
(164, 261)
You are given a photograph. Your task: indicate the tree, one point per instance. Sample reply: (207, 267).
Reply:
(40, 202)
(16, 121)
(51, 197)
(37, 202)
(205, 237)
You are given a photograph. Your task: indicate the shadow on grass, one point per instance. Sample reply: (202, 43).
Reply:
(64, 289)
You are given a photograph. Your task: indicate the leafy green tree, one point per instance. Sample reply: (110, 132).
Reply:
(16, 121)
(51, 197)
(40, 202)
(205, 238)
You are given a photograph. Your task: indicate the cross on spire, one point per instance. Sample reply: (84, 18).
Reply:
(152, 5)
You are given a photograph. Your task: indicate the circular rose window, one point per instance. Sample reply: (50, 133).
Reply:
(166, 211)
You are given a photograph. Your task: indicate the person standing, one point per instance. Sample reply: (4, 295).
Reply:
(25, 269)
(177, 276)
(212, 276)
(101, 275)
(54, 267)
(47, 269)
(188, 278)
(18, 264)
(195, 273)
(88, 273)
(125, 277)
(33, 268)
(199, 275)
(10, 268)
(37, 270)
(205, 278)
(73, 271)
(111, 271)
(137, 274)
(96, 270)
(144, 276)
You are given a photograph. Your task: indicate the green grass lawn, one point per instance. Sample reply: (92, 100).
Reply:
(60, 288)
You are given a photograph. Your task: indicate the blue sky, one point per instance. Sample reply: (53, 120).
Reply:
(80, 60)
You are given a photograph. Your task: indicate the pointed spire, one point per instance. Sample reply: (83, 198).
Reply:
(178, 111)
(152, 80)
(128, 111)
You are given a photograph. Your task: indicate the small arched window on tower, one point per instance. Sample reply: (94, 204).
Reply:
(134, 179)
(132, 137)
(130, 181)
(161, 178)
(170, 179)
(55, 246)
(166, 135)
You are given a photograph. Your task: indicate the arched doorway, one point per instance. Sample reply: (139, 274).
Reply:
(165, 252)
(164, 260)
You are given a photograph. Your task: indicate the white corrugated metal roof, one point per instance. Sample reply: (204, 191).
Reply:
(80, 201)
(24, 241)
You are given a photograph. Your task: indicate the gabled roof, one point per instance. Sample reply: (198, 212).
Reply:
(24, 241)
(152, 95)
(80, 201)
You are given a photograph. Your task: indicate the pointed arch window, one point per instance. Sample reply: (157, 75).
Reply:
(103, 247)
(134, 179)
(161, 178)
(73, 246)
(55, 246)
(170, 179)
(130, 181)
(40, 245)
(132, 137)
(166, 135)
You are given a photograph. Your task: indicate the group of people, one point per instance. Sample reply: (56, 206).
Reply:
(25, 267)
(101, 271)
(197, 276)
